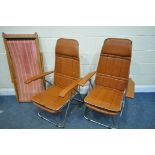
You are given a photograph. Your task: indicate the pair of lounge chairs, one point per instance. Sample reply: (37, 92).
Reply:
(107, 95)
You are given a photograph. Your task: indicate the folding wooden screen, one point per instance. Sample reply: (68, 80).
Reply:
(25, 60)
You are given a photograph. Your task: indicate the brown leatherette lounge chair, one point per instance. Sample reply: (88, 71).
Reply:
(66, 78)
(25, 60)
(112, 81)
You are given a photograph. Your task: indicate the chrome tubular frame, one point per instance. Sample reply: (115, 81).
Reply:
(81, 98)
(62, 124)
(105, 125)
(58, 124)
(91, 120)
(48, 82)
(90, 83)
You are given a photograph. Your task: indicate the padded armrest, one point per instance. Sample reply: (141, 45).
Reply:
(86, 78)
(37, 77)
(130, 89)
(69, 88)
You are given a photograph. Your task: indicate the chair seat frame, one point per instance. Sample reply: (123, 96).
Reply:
(102, 124)
(63, 123)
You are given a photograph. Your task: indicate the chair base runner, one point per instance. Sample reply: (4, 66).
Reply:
(57, 124)
(98, 122)
(107, 126)
(62, 124)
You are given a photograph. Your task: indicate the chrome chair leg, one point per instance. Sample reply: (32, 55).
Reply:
(81, 99)
(91, 120)
(90, 84)
(78, 93)
(97, 122)
(60, 125)
(123, 103)
(105, 125)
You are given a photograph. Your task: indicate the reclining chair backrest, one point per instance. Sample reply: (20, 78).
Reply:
(67, 64)
(114, 64)
(24, 60)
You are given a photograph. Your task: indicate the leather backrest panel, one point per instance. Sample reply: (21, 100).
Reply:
(67, 64)
(119, 47)
(114, 64)
(67, 47)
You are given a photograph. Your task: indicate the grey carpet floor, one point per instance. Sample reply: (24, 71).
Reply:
(138, 113)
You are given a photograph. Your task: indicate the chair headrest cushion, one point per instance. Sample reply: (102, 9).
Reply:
(116, 46)
(67, 47)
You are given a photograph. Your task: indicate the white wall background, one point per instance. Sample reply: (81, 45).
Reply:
(90, 40)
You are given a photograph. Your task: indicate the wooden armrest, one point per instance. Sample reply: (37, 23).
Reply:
(130, 89)
(86, 78)
(37, 77)
(69, 88)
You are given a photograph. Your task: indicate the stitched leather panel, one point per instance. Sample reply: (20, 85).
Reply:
(111, 82)
(50, 98)
(116, 46)
(67, 65)
(113, 72)
(113, 67)
(105, 98)
(67, 47)
(118, 67)
(62, 81)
